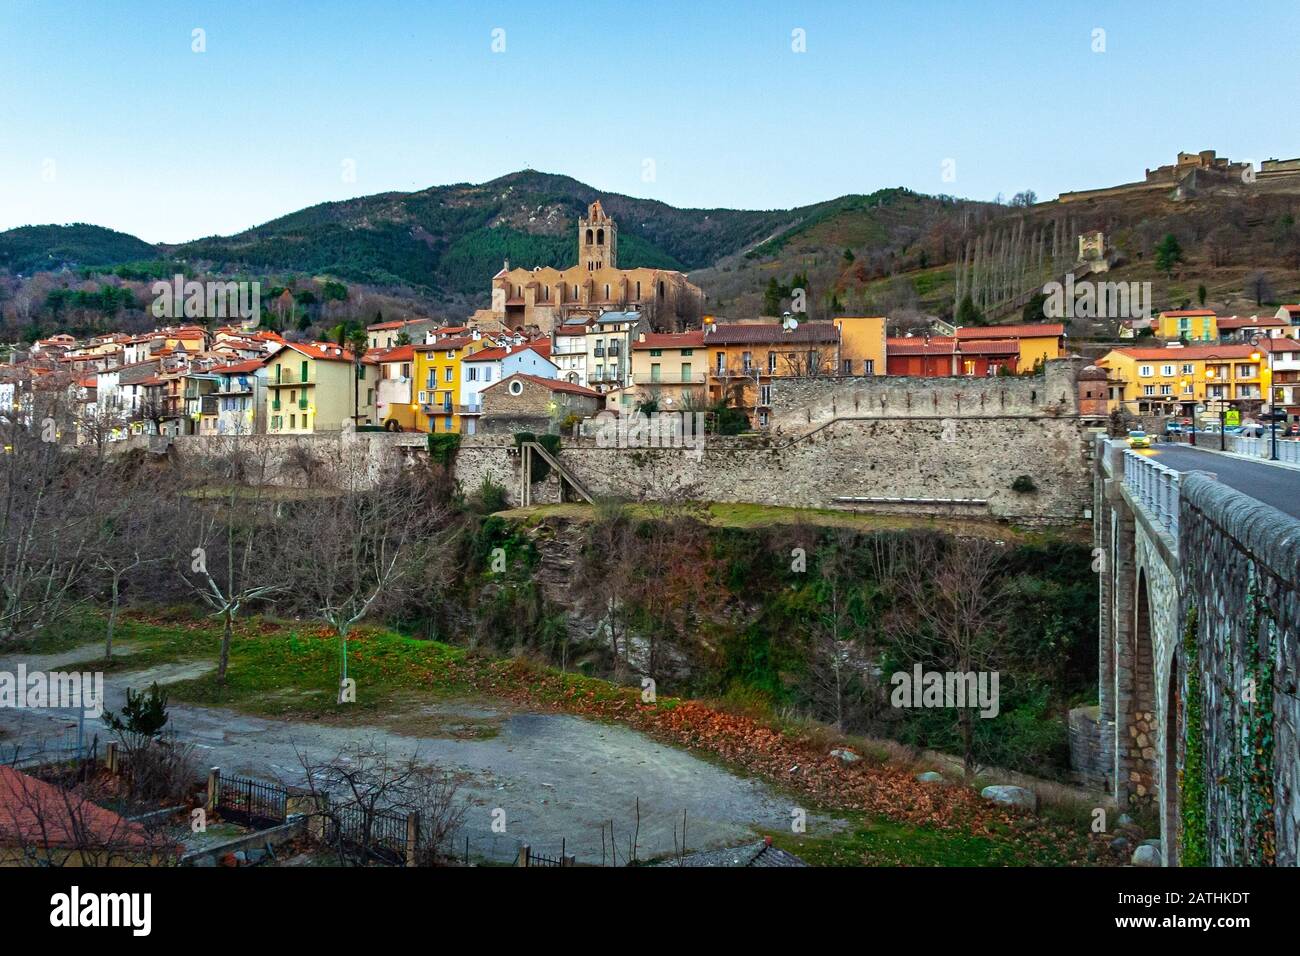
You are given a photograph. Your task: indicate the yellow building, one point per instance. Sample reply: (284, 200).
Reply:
(1189, 325)
(437, 381)
(669, 367)
(313, 387)
(1173, 380)
(862, 345)
(1039, 343)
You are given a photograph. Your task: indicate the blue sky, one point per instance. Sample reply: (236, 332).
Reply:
(108, 116)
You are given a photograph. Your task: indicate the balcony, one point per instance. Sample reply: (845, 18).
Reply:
(649, 378)
(289, 377)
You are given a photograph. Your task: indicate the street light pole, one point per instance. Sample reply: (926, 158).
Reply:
(1272, 409)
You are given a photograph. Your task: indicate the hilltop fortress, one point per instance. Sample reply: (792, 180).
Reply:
(1191, 173)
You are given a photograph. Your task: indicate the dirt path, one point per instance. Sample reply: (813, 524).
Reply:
(556, 777)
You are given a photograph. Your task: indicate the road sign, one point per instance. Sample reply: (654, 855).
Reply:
(1232, 417)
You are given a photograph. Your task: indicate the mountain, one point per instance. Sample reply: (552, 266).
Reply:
(30, 249)
(893, 251)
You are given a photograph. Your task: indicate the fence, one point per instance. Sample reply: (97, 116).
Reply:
(528, 858)
(36, 752)
(1154, 487)
(247, 801)
(382, 835)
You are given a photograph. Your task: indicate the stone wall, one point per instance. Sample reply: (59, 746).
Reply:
(939, 463)
(1241, 573)
(801, 404)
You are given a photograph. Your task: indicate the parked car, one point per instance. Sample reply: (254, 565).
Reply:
(1253, 430)
(1139, 439)
(1293, 429)
(1173, 428)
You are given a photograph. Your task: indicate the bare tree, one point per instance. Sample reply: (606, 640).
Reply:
(367, 541)
(835, 631)
(948, 608)
(226, 511)
(355, 790)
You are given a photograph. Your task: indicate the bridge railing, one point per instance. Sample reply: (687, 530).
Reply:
(1288, 449)
(1154, 487)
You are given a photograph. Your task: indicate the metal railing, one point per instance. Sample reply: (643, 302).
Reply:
(1154, 487)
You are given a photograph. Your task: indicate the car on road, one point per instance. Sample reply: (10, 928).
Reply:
(1173, 428)
(1139, 439)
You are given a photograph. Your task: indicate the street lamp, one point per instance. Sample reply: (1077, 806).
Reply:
(1209, 374)
(1272, 406)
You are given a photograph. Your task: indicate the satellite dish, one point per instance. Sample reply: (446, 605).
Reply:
(791, 323)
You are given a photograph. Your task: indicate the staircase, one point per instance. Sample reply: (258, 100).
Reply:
(527, 450)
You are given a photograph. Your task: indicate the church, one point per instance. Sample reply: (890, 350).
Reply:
(545, 297)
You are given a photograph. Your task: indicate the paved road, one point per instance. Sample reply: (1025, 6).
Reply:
(1271, 484)
(558, 778)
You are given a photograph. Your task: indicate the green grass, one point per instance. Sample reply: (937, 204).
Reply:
(875, 842)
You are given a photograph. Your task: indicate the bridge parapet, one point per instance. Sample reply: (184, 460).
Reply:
(1154, 488)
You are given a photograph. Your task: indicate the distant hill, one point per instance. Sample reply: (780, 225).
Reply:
(29, 249)
(893, 251)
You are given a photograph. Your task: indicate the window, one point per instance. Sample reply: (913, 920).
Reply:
(846, 366)
(1166, 370)
(448, 373)
(686, 371)
(722, 362)
(655, 353)
(1148, 389)
(747, 360)
(687, 352)
(516, 387)
(869, 367)
(487, 374)
(654, 372)
(771, 363)
(1144, 371)
(471, 373)
(765, 395)
(304, 370)
(1187, 368)
(1166, 390)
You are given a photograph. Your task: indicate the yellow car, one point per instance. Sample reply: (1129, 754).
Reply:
(1139, 440)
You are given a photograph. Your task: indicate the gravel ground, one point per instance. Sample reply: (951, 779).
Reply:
(557, 777)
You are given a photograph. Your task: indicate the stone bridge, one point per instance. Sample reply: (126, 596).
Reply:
(1198, 719)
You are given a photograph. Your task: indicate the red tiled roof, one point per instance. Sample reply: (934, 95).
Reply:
(398, 353)
(1238, 322)
(948, 345)
(239, 368)
(1039, 330)
(498, 352)
(671, 340)
(554, 384)
(765, 333)
(1187, 313)
(33, 812)
(445, 344)
(326, 351)
(1187, 352)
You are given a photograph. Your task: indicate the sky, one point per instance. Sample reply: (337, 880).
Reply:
(118, 113)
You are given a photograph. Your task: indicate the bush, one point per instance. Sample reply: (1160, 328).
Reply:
(443, 448)
(490, 497)
(1024, 485)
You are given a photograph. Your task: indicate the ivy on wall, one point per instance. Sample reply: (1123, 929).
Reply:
(1258, 726)
(442, 448)
(1192, 802)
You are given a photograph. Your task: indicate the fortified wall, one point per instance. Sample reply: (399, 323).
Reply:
(938, 446)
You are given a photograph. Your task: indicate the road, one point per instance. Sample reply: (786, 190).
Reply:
(556, 777)
(1272, 484)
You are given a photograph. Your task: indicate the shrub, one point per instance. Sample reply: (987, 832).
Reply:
(1024, 485)
(442, 449)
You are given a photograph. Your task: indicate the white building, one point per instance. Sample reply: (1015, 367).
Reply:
(569, 349)
(609, 349)
(487, 366)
